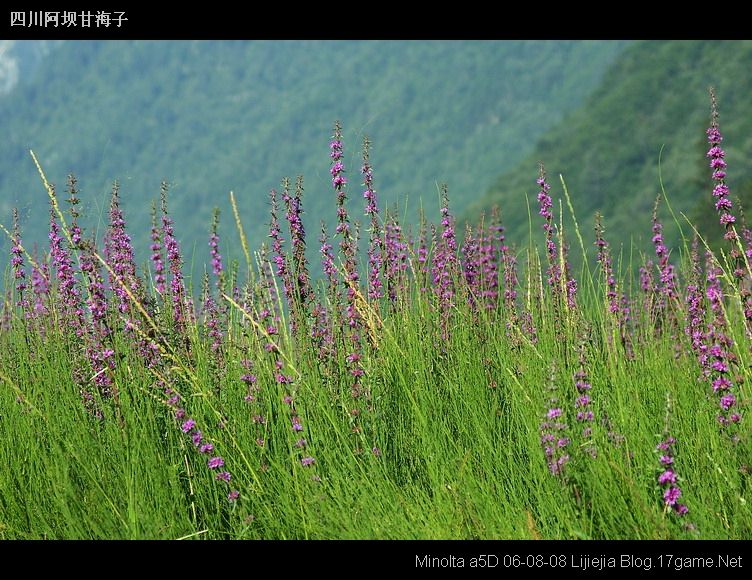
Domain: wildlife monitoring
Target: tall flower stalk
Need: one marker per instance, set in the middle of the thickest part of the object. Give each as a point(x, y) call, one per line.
point(546, 204)
point(396, 259)
point(554, 432)
point(727, 219)
point(17, 265)
point(375, 238)
point(353, 323)
point(720, 356)
point(175, 260)
point(303, 291)
point(445, 266)
point(157, 255)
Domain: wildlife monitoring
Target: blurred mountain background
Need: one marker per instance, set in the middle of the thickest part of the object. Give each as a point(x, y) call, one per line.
point(215, 116)
point(210, 117)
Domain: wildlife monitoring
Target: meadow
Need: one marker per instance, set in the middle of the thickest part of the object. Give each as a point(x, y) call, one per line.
point(433, 383)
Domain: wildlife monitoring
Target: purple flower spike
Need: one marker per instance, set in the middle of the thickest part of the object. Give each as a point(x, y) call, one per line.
point(681, 509)
point(188, 426)
point(717, 163)
point(667, 476)
point(671, 495)
point(553, 434)
point(215, 462)
point(307, 461)
point(666, 459)
point(554, 413)
point(223, 476)
point(668, 479)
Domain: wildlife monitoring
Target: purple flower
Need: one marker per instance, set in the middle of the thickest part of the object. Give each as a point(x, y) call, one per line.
point(554, 413)
point(188, 426)
point(667, 476)
point(671, 495)
point(720, 190)
point(727, 401)
point(215, 462)
point(666, 445)
point(721, 384)
point(554, 431)
point(667, 479)
point(222, 475)
point(304, 294)
point(375, 242)
point(233, 495)
point(307, 461)
point(177, 287)
point(666, 269)
point(719, 342)
point(206, 448)
point(216, 257)
point(546, 203)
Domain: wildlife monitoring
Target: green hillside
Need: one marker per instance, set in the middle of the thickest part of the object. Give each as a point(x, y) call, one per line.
point(654, 96)
point(211, 117)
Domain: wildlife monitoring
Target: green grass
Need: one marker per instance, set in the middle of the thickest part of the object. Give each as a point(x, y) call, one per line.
point(457, 423)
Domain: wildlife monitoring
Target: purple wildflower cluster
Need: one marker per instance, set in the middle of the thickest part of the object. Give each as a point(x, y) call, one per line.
point(216, 256)
point(396, 259)
point(348, 247)
point(98, 344)
point(119, 255)
point(553, 433)
point(375, 241)
point(618, 304)
point(423, 255)
point(668, 480)
point(304, 294)
point(189, 428)
point(68, 294)
point(278, 254)
point(471, 272)
point(510, 282)
point(604, 259)
point(157, 257)
point(666, 269)
point(445, 266)
point(17, 264)
point(724, 206)
point(546, 204)
point(718, 164)
point(175, 260)
point(583, 402)
point(695, 312)
point(212, 321)
point(40, 287)
point(491, 250)
point(719, 358)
